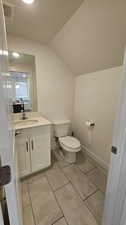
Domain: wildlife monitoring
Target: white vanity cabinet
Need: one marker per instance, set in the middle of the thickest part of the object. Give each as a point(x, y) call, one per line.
point(33, 147)
point(22, 148)
point(40, 148)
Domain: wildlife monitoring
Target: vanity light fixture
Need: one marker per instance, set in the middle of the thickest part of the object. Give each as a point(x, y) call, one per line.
point(3, 52)
point(17, 86)
point(15, 54)
point(28, 1)
point(24, 75)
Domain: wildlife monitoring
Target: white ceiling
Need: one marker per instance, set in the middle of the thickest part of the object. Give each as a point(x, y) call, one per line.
point(95, 37)
point(89, 35)
point(42, 20)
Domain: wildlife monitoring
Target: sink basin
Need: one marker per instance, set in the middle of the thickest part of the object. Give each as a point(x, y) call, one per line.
point(25, 122)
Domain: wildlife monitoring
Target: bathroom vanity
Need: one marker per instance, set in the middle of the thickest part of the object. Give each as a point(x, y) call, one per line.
point(32, 143)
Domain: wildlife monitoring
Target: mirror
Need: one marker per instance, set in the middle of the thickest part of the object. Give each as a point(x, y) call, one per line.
point(22, 71)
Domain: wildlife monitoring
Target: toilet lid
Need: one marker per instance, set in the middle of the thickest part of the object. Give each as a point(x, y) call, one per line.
point(70, 142)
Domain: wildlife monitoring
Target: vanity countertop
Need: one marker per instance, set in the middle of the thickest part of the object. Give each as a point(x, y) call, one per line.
point(30, 122)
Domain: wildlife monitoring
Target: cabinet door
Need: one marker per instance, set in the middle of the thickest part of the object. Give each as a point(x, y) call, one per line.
point(40, 149)
point(22, 147)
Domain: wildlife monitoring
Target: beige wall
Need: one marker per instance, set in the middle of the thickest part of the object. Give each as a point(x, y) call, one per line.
point(55, 82)
point(96, 99)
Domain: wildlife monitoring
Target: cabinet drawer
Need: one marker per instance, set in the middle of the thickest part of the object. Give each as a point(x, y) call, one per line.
point(35, 130)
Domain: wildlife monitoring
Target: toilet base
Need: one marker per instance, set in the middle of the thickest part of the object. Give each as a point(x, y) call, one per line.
point(69, 157)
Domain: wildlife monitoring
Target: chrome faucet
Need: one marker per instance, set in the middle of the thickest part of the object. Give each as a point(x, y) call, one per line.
point(24, 117)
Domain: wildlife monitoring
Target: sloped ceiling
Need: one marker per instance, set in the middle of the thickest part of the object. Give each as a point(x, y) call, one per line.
point(42, 20)
point(95, 37)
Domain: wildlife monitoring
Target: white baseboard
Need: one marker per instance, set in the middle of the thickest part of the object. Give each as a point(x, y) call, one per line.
point(100, 161)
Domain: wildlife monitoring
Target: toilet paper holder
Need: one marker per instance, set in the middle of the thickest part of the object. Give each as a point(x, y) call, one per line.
point(90, 123)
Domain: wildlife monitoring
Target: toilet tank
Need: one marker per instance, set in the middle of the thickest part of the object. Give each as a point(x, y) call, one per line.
point(61, 128)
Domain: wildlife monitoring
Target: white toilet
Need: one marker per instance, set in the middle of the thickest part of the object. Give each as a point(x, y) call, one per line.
point(70, 145)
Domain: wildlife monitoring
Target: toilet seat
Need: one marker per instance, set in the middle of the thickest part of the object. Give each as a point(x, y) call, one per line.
point(70, 144)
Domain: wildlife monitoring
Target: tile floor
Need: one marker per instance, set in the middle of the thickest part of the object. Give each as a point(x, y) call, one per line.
point(65, 194)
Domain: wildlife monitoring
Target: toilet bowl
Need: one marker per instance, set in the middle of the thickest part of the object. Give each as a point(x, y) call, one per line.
point(70, 145)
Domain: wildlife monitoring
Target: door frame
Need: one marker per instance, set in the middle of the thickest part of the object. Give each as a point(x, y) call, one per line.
point(7, 155)
point(115, 201)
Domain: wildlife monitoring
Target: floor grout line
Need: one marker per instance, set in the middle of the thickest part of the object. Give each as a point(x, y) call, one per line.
point(72, 185)
point(85, 173)
point(56, 161)
point(90, 195)
point(60, 160)
point(79, 197)
point(95, 183)
point(90, 208)
point(31, 205)
point(77, 190)
point(61, 186)
point(97, 186)
point(57, 220)
point(92, 214)
point(57, 201)
point(78, 194)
